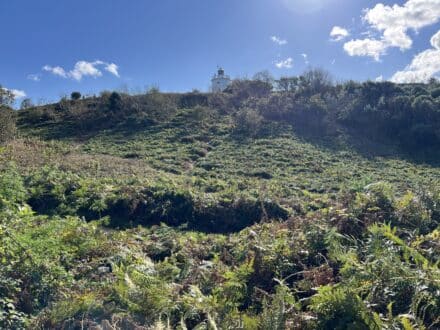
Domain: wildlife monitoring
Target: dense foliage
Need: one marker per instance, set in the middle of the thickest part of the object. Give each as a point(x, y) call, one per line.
point(224, 211)
point(7, 116)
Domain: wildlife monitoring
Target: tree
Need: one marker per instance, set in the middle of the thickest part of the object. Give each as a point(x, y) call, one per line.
point(115, 101)
point(287, 84)
point(75, 96)
point(6, 96)
point(26, 104)
point(316, 81)
point(264, 76)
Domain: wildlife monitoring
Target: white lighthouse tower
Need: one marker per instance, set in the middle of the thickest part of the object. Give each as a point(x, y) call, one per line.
point(220, 81)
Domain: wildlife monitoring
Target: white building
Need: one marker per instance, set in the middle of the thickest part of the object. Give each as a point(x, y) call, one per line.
point(220, 81)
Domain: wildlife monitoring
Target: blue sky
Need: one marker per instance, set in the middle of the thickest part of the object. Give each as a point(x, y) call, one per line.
point(177, 45)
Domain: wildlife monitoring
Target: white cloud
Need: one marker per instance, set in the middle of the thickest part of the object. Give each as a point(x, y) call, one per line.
point(366, 47)
point(379, 79)
point(306, 58)
point(278, 40)
point(18, 94)
point(113, 69)
point(285, 64)
point(435, 40)
point(338, 33)
point(34, 77)
point(83, 69)
point(424, 65)
point(57, 70)
point(394, 22)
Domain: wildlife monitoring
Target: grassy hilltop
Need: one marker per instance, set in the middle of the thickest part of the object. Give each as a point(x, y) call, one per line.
point(298, 204)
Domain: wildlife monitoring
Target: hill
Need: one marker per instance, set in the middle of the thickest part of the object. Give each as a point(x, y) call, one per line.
point(315, 206)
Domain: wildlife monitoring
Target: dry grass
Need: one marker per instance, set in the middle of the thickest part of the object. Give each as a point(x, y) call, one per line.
point(30, 154)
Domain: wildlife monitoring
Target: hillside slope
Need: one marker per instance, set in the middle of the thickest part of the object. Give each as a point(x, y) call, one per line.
point(203, 219)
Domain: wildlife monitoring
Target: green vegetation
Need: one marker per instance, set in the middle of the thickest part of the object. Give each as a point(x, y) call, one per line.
point(295, 204)
point(7, 116)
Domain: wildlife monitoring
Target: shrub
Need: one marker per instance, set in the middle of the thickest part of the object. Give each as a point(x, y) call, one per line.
point(7, 124)
point(200, 113)
point(12, 186)
point(248, 122)
point(435, 93)
point(115, 102)
point(413, 215)
point(241, 90)
point(75, 96)
point(220, 102)
point(26, 103)
point(191, 100)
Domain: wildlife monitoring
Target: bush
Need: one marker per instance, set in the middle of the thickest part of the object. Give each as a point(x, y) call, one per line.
point(248, 122)
point(12, 189)
point(7, 124)
point(191, 100)
point(200, 113)
point(75, 96)
point(241, 90)
point(435, 93)
point(115, 102)
point(26, 104)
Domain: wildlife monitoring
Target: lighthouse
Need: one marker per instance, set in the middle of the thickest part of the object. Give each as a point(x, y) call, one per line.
point(220, 81)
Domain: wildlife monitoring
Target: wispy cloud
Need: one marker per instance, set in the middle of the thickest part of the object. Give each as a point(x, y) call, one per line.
point(56, 70)
point(306, 58)
point(285, 64)
point(34, 77)
point(83, 69)
point(278, 40)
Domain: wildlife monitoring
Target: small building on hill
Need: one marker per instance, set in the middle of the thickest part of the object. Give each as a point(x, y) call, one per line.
point(220, 81)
